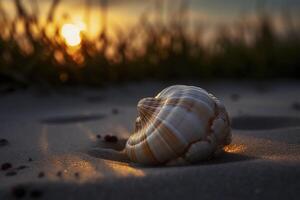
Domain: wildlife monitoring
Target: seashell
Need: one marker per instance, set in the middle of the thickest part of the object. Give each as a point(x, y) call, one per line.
point(180, 124)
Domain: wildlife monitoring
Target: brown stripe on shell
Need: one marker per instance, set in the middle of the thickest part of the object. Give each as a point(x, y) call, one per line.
point(189, 105)
point(169, 137)
point(133, 155)
point(148, 153)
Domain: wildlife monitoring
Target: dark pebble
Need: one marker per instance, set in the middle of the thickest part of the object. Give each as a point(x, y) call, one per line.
point(22, 167)
point(18, 191)
point(98, 136)
point(8, 90)
point(59, 174)
point(235, 97)
point(6, 166)
point(41, 174)
point(3, 142)
point(12, 173)
point(76, 174)
point(11, 89)
point(111, 138)
point(115, 111)
point(296, 106)
point(36, 193)
point(30, 159)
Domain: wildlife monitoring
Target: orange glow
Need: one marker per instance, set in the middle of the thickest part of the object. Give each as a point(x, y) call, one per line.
point(71, 34)
point(235, 148)
point(69, 164)
point(124, 170)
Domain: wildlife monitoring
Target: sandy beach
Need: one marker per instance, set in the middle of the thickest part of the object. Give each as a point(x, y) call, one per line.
point(47, 137)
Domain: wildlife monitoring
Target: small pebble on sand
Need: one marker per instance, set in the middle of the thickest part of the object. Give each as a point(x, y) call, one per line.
point(8, 90)
point(3, 142)
point(296, 106)
point(111, 138)
point(22, 167)
point(41, 174)
point(30, 159)
point(115, 111)
point(12, 173)
point(59, 174)
point(6, 166)
point(98, 136)
point(76, 174)
point(18, 191)
point(36, 193)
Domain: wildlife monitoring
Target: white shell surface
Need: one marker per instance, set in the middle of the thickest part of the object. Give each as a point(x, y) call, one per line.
point(180, 123)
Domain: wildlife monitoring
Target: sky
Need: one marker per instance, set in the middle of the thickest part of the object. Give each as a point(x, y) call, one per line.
point(126, 12)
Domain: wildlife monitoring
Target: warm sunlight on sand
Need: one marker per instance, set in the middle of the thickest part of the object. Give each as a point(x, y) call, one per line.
point(235, 148)
point(71, 34)
point(123, 170)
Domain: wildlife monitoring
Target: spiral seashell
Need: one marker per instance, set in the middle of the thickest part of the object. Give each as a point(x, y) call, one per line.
point(181, 124)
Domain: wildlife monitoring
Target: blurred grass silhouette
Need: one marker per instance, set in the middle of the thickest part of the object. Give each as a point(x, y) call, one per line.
point(148, 50)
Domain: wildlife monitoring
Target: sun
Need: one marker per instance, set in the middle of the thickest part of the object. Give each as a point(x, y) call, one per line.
point(71, 34)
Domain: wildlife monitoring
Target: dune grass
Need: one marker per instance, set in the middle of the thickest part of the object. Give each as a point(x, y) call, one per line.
point(148, 50)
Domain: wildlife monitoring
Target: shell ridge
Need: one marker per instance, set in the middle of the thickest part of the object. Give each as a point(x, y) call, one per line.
point(200, 110)
point(149, 153)
point(160, 148)
point(183, 91)
point(188, 100)
point(173, 130)
point(181, 88)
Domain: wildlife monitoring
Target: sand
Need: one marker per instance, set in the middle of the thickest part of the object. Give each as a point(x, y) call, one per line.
point(48, 137)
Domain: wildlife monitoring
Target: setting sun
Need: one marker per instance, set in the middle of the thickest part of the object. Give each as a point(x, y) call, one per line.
point(71, 34)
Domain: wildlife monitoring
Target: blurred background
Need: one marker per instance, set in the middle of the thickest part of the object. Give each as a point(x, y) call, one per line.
point(54, 43)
